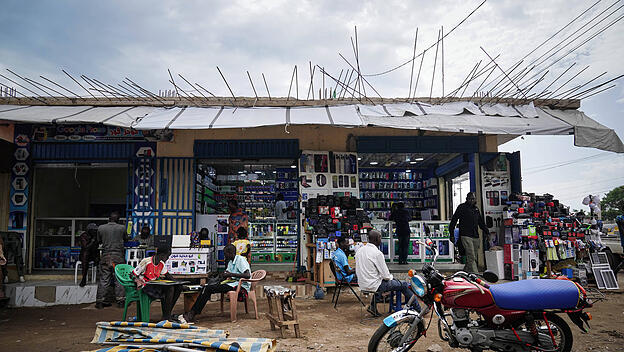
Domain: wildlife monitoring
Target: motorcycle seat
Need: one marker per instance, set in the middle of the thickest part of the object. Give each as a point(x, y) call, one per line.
point(536, 294)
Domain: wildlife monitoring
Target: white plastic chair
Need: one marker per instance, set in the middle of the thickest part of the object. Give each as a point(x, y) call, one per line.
point(93, 271)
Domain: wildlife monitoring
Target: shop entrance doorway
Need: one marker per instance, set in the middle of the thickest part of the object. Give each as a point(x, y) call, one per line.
point(66, 199)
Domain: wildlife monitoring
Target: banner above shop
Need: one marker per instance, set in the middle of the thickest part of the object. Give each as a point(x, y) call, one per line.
point(85, 133)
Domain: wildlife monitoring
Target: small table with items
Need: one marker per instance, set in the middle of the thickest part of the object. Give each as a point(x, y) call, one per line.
point(282, 309)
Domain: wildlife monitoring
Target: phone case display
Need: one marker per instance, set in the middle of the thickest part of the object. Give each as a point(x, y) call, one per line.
point(205, 190)
point(496, 186)
point(380, 188)
point(326, 173)
point(286, 183)
point(438, 233)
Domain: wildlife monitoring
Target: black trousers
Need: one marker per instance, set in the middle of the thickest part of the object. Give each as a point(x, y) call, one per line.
point(206, 292)
point(168, 296)
point(403, 247)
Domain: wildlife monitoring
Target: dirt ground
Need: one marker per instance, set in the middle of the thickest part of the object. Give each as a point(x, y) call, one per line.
point(71, 328)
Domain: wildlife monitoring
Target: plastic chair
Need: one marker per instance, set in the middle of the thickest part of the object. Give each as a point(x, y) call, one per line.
point(123, 275)
point(93, 271)
point(256, 276)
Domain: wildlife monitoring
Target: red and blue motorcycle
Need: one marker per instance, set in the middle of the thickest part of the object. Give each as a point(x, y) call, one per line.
point(515, 316)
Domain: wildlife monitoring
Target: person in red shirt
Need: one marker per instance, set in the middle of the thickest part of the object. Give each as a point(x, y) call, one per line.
point(236, 220)
point(152, 268)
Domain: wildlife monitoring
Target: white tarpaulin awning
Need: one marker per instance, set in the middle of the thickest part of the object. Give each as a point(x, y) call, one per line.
point(122, 116)
point(503, 120)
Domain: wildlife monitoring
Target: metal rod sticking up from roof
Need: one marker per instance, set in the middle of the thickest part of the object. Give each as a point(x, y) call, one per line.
point(442, 44)
point(266, 86)
point(568, 92)
point(194, 88)
point(514, 83)
point(291, 82)
point(39, 97)
point(173, 82)
point(409, 94)
point(60, 86)
point(32, 84)
point(12, 89)
point(435, 61)
point(568, 81)
point(78, 83)
point(252, 85)
point(226, 83)
point(311, 87)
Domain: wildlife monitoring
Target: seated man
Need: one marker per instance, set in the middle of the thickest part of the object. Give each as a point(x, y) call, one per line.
point(341, 261)
point(242, 244)
point(237, 268)
point(152, 268)
point(373, 274)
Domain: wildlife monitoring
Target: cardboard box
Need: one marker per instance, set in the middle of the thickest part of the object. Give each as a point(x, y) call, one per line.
point(494, 261)
point(328, 276)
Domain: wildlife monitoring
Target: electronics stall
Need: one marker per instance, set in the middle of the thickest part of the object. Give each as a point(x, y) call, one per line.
point(254, 184)
point(541, 237)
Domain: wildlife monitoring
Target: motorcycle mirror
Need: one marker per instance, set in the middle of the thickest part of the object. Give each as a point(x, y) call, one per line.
point(490, 276)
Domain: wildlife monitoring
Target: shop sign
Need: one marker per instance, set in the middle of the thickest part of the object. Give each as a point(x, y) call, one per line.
point(145, 152)
point(84, 133)
point(20, 169)
point(21, 154)
point(19, 183)
point(18, 199)
point(22, 140)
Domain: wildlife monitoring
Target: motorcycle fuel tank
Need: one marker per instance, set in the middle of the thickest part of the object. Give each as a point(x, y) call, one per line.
point(459, 293)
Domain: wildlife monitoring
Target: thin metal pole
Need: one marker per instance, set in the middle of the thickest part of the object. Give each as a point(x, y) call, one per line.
point(361, 77)
point(252, 85)
point(413, 62)
point(78, 83)
point(514, 83)
point(311, 87)
point(195, 89)
point(22, 94)
point(435, 61)
point(226, 83)
point(173, 83)
point(266, 86)
point(568, 81)
point(422, 58)
point(442, 44)
point(292, 77)
point(565, 94)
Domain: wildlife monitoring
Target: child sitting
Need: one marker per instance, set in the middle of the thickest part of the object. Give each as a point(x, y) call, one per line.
point(152, 268)
point(242, 244)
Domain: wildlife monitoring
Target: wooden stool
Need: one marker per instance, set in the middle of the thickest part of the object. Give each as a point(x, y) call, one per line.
point(280, 298)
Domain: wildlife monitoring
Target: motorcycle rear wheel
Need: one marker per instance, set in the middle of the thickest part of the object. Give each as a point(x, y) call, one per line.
point(385, 338)
point(560, 329)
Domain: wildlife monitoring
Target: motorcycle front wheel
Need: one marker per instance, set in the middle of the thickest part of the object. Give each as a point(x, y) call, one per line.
point(387, 339)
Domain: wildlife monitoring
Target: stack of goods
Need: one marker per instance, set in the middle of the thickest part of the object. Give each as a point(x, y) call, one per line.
point(540, 229)
point(330, 217)
point(382, 187)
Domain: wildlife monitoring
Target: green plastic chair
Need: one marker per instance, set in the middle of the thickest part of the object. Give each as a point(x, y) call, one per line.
point(123, 273)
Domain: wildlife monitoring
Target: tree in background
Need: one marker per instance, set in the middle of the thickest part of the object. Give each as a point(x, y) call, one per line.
point(613, 203)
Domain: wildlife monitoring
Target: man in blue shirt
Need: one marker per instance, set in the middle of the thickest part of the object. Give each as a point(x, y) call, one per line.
point(341, 261)
point(237, 268)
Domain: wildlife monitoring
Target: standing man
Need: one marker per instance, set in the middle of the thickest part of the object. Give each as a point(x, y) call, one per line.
point(281, 210)
point(470, 220)
point(236, 219)
point(88, 250)
point(112, 236)
point(373, 274)
point(401, 218)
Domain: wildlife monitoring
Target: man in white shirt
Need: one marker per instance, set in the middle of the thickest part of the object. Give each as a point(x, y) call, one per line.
point(281, 210)
point(373, 274)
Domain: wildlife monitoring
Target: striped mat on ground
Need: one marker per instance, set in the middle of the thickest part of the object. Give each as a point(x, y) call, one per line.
point(137, 336)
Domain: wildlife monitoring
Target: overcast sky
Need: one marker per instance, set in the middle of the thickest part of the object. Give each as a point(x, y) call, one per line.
point(110, 40)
